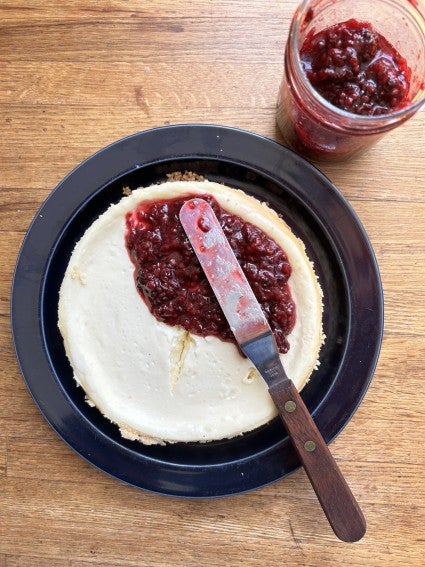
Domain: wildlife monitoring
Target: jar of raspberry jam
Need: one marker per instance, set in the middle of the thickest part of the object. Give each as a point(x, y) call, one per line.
point(353, 71)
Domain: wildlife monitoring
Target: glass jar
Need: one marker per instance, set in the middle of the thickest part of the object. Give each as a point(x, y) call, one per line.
point(313, 126)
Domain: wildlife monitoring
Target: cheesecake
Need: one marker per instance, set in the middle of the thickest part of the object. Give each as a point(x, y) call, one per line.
point(142, 330)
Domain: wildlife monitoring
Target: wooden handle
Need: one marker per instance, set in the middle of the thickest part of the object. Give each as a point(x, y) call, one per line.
point(333, 492)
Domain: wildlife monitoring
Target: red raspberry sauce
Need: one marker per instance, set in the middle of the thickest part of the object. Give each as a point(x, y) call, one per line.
point(356, 69)
point(171, 281)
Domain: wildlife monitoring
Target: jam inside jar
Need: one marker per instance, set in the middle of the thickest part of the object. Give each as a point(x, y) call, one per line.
point(353, 71)
point(355, 68)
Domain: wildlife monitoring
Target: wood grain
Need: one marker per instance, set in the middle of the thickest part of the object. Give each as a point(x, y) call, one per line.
point(77, 75)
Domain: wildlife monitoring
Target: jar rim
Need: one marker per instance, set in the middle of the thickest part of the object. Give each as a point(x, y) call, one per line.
point(360, 121)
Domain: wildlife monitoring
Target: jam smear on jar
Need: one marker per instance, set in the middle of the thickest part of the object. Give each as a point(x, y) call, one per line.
point(171, 281)
point(356, 69)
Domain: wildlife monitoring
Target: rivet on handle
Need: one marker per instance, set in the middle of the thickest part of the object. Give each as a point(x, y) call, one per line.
point(290, 406)
point(309, 446)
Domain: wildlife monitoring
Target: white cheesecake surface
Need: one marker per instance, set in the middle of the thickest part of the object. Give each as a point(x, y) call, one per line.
point(159, 383)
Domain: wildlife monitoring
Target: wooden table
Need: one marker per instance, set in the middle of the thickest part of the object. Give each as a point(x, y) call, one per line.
point(76, 75)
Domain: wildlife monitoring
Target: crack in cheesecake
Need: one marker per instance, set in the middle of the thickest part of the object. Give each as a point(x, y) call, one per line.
point(251, 376)
point(179, 351)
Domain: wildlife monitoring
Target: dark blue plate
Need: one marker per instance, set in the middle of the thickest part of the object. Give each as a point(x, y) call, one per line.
point(318, 213)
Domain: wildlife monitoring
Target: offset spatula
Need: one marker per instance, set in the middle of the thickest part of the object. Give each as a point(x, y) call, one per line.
point(256, 340)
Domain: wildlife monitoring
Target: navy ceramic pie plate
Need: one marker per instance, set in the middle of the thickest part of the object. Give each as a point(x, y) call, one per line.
point(335, 240)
